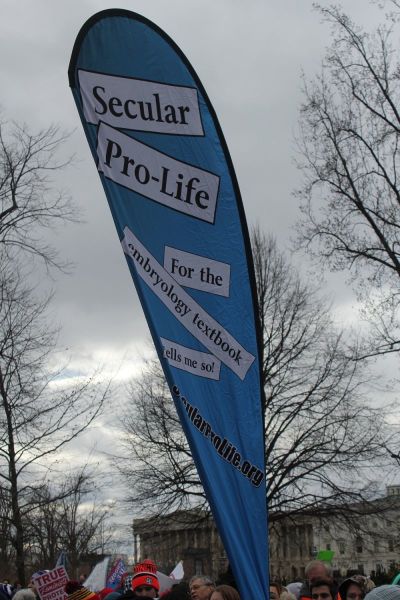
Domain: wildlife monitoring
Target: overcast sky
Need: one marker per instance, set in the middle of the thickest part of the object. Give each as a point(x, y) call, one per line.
point(249, 56)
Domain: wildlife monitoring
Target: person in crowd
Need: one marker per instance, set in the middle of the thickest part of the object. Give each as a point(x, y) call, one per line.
point(31, 584)
point(114, 595)
point(384, 592)
point(286, 595)
point(353, 588)
point(315, 570)
point(125, 591)
point(25, 594)
point(6, 590)
point(294, 588)
point(275, 590)
point(145, 583)
point(126, 583)
point(201, 587)
point(322, 589)
point(124, 595)
point(76, 591)
point(369, 585)
point(225, 592)
point(179, 591)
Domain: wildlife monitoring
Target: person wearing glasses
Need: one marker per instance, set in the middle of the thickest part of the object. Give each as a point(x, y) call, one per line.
point(201, 587)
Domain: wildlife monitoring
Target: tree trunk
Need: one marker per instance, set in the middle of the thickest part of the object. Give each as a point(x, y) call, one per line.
point(18, 540)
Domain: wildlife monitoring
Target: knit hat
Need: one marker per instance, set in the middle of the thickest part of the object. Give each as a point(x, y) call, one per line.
point(384, 592)
point(294, 588)
point(145, 573)
point(76, 591)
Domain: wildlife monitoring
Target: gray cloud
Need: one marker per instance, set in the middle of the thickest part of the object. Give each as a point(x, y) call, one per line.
point(249, 56)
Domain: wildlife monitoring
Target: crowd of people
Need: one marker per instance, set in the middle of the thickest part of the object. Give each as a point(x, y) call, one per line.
point(318, 584)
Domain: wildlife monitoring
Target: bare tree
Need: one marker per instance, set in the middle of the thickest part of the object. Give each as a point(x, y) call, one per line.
point(38, 415)
point(67, 517)
point(29, 206)
point(319, 429)
point(156, 462)
point(349, 156)
point(322, 437)
point(7, 553)
point(83, 528)
point(42, 527)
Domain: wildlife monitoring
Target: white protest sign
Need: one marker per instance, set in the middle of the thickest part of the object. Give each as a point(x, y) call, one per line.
point(51, 585)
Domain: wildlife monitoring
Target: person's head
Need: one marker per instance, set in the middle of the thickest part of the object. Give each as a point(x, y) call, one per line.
point(225, 592)
point(146, 591)
point(384, 592)
point(354, 592)
point(317, 569)
point(294, 588)
point(145, 582)
point(321, 589)
point(24, 594)
point(201, 587)
point(76, 591)
point(275, 590)
point(353, 588)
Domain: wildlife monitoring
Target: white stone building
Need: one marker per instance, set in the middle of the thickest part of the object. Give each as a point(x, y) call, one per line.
point(370, 544)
